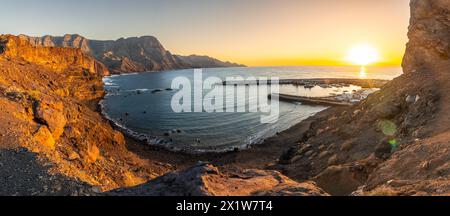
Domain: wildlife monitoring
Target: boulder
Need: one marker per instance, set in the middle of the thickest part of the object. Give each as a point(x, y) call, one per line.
point(51, 113)
point(386, 110)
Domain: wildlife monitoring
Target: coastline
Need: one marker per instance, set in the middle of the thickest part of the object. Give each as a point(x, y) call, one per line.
point(70, 129)
point(161, 143)
point(263, 154)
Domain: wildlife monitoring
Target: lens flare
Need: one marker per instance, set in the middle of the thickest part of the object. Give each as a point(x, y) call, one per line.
point(394, 144)
point(388, 128)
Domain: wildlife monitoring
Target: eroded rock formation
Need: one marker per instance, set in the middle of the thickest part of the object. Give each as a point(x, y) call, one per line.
point(429, 38)
point(55, 58)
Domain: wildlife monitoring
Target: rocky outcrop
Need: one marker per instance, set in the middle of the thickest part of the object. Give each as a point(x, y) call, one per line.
point(51, 114)
point(207, 180)
point(429, 39)
point(397, 141)
point(135, 54)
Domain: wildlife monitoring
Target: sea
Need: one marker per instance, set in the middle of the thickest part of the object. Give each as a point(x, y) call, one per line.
point(141, 105)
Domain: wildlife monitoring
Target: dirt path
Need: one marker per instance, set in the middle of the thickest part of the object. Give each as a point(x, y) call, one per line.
point(22, 174)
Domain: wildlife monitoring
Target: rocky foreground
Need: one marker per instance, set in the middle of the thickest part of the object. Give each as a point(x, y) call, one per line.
point(208, 180)
point(53, 141)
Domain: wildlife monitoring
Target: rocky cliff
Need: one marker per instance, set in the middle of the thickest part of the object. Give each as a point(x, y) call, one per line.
point(135, 54)
point(48, 102)
point(397, 142)
point(429, 37)
point(55, 58)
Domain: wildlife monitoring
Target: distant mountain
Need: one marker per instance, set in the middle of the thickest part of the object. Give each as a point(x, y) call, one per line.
point(197, 61)
point(135, 54)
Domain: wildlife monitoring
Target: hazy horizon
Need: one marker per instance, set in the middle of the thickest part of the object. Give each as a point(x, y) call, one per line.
point(254, 33)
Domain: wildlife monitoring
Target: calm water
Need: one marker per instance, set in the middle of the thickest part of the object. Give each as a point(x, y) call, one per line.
point(149, 116)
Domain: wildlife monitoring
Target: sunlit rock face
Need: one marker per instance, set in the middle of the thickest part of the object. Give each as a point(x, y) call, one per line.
point(429, 38)
point(56, 58)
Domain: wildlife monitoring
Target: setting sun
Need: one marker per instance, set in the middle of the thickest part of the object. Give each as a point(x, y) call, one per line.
point(363, 55)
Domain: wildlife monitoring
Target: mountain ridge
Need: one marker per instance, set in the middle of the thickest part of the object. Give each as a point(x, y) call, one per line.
point(132, 54)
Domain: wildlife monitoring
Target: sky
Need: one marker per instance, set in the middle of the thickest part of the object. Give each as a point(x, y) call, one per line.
point(251, 32)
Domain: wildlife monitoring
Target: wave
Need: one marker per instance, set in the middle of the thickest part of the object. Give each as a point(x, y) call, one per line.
point(128, 74)
point(108, 81)
point(111, 76)
point(136, 90)
point(110, 84)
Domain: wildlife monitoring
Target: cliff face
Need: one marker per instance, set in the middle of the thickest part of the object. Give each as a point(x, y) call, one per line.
point(429, 38)
point(396, 142)
point(136, 54)
point(48, 100)
point(54, 58)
